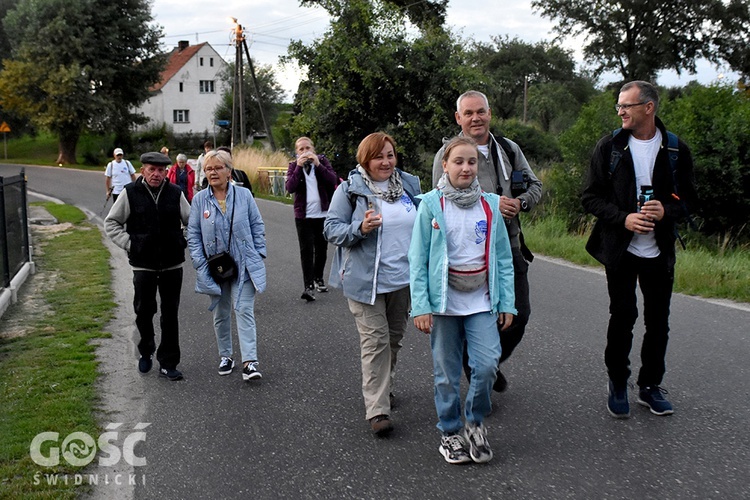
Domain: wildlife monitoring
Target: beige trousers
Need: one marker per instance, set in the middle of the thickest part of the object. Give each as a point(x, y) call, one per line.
point(381, 327)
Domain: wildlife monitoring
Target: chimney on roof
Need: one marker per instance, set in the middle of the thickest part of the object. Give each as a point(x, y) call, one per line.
point(182, 45)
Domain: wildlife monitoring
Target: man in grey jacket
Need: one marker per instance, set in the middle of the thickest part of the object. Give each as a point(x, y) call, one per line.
point(502, 169)
point(146, 221)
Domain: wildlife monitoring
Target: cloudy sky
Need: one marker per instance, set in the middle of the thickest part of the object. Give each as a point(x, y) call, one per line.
point(270, 25)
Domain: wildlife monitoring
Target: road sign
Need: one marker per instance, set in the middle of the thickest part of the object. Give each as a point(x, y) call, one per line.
point(4, 127)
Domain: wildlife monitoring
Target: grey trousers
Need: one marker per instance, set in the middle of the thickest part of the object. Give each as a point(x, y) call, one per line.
point(381, 328)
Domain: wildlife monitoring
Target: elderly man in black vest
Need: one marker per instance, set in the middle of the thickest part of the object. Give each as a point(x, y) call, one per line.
point(146, 221)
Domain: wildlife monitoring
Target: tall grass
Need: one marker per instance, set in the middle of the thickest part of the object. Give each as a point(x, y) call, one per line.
point(698, 271)
point(256, 163)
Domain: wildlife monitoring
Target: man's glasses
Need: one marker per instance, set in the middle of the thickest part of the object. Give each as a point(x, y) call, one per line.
point(618, 107)
point(213, 169)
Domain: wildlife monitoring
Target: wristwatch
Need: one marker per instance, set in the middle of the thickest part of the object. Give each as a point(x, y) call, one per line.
point(524, 206)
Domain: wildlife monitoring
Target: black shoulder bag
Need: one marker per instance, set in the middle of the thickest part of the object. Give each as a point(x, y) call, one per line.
point(222, 266)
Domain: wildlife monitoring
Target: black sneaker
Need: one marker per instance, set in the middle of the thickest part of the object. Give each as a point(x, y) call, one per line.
point(320, 286)
point(308, 294)
point(251, 371)
point(454, 449)
point(479, 447)
point(145, 364)
point(653, 397)
point(170, 373)
point(617, 402)
point(226, 365)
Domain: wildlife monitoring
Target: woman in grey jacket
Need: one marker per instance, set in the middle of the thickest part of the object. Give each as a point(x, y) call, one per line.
point(214, 212)
point(370, 219)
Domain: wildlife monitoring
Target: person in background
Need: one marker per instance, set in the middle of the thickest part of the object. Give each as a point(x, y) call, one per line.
point(225, 218)
point(461, 288)
point(200, 176)
point(183, 176)
point(146, 221)
point(635, 240)
point(312, 180)
point(502, 169)
point(118, 173)
point(370, 219)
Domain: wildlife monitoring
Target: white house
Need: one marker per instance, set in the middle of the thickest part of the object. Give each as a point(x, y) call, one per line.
point(189, 90)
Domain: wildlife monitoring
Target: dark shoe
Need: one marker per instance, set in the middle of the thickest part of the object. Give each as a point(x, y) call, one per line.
point(617, 402)
point(381, 425)
point(653, 397)
point(501, 383)
point(171, 373)
point(145, 364)
point(226, 366)
point(454, 449)
point(308, 294)
point(250, 371)
point(479, 447)
point(320, 286)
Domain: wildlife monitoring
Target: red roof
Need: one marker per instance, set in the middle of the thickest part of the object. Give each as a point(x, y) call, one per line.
point(177, 59)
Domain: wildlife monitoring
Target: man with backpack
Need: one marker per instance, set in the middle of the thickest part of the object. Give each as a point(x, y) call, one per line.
point(640, 183)
point(502, 169)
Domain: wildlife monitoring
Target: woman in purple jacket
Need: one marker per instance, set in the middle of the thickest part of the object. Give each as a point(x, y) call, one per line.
point(312, 180)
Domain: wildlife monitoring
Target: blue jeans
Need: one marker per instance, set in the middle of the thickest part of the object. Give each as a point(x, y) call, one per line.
point(479, 331)
point(245, 316)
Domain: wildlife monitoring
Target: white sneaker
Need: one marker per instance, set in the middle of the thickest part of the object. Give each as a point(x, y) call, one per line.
point(479, 447)
point(454, 449)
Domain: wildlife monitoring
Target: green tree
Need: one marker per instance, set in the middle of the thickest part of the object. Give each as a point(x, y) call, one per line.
point(543, 73)
point(271, 96)
point(637, 38)
point(367, 74)
point(715, 123)
point(71, 70)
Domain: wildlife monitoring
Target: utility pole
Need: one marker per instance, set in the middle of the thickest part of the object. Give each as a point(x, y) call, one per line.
point(525, 96)
point(238, 100)
point(238, 106)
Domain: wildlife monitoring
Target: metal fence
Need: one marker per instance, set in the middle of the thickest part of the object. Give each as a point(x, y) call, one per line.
point(14, 229)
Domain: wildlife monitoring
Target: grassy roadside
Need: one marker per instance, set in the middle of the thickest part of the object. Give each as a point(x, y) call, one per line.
point(47, 374)
point(698, 271)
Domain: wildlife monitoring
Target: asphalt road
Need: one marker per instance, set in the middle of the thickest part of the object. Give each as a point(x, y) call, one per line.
point(300, 431)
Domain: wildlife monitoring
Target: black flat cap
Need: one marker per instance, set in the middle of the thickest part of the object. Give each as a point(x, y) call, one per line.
point(155, 158)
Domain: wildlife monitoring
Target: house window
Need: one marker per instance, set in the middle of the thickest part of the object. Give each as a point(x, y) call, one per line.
point(201, 61)
point(207, 87)
point(180, 86)
point(211, 62)
point(181, 115)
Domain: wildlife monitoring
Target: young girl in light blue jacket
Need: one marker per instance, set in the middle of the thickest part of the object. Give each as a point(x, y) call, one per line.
point(461, 278)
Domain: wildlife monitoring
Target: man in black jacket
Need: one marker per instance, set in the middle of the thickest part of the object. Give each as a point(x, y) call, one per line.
point(634, 238)
point(146, 221)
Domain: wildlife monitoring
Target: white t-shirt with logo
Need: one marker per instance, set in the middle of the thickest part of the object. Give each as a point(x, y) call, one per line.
point(395, 237)
point(466, 237)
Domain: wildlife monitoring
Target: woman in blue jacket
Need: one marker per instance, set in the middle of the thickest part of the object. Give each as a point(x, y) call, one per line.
point(462, 286)
point(370, 219)
point(224, 218)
